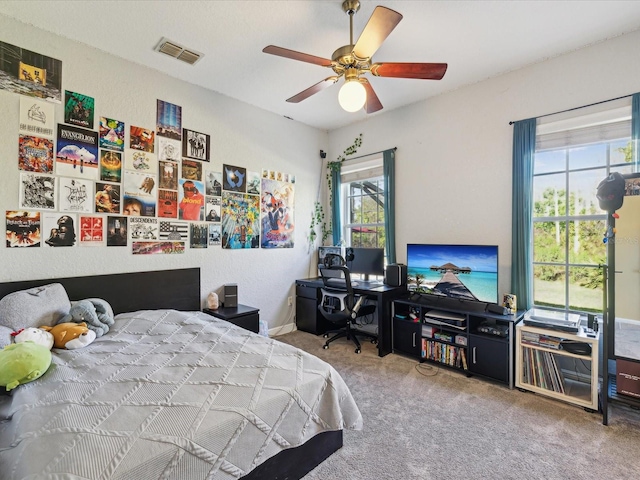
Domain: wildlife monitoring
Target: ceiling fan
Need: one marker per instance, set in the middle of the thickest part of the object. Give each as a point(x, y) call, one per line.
point(354, 60)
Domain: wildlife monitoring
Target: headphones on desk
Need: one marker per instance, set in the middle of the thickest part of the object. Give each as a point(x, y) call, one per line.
point(333, 260)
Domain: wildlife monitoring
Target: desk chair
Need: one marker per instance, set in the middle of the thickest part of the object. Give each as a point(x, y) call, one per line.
point(341, 306)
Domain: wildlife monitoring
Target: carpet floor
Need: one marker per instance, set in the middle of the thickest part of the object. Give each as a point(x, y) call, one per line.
point(423, 422)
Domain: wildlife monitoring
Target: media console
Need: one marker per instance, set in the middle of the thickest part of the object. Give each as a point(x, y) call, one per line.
point(461, 335)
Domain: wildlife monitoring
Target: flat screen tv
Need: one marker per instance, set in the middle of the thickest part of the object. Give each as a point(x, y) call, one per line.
point(460, 271)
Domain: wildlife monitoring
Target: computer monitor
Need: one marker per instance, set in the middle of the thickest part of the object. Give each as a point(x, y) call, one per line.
point(365, 261)
point(324, 250)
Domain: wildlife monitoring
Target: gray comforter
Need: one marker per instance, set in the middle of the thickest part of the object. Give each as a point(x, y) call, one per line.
point(171, 395)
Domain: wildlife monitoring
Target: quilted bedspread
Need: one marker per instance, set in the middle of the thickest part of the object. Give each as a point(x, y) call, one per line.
point(169, 395)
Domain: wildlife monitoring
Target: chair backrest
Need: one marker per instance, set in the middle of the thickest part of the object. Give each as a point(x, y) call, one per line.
point(338, 299)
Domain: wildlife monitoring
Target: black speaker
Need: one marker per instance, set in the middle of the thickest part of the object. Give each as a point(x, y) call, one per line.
point(395, 275)
point(230, 295)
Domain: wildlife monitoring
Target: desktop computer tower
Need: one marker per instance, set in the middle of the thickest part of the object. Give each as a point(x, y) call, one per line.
point(395, 275)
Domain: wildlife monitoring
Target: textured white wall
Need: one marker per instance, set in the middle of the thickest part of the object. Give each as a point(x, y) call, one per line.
point(453, 163)
point(240, 135)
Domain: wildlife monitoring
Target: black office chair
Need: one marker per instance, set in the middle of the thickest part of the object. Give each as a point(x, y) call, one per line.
point(340, 305)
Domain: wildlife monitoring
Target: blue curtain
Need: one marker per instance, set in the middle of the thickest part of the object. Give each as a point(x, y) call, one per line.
point(524, 145)
point(336, 221)
point(388, 165)
point(635, 130)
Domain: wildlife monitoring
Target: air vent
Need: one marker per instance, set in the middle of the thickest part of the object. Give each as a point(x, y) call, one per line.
point(175, 50)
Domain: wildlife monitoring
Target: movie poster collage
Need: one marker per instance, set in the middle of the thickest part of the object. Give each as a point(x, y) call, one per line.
point(83, 184)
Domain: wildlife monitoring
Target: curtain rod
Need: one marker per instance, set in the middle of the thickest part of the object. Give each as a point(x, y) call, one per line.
point(374, 153)
point(576, 108)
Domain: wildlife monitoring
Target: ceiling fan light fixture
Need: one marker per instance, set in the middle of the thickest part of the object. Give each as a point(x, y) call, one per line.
point(352, 96)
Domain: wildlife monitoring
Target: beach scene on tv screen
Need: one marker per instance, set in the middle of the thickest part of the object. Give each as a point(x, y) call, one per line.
point(461, 271)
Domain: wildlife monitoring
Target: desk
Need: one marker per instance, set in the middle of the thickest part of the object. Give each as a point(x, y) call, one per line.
point(309, 319)
point(242, 315)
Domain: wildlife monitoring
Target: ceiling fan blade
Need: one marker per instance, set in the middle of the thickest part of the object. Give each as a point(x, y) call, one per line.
point(327, 82)
point(380, 25)
point(292, 54)
point(425, 71)
point(373, 102)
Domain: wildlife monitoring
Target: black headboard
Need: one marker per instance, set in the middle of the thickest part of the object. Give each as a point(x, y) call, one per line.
point(127, 292)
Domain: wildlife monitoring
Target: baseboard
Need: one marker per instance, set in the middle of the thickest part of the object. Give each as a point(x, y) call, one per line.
point(282, 329)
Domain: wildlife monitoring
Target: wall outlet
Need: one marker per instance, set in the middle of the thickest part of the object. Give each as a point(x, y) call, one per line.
point(290, 301)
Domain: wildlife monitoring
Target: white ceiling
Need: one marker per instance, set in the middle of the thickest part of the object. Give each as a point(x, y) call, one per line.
point(478, 39)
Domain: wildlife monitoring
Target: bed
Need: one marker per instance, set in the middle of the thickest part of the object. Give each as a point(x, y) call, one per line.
point(171, 393)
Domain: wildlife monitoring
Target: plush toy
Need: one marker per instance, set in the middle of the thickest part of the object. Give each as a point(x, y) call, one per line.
point(71, 335)
point(212, 301)
point(22, 362)
point(96, 313)
point(35, 335)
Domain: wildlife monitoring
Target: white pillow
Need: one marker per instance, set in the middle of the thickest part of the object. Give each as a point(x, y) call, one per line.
point(33, 308)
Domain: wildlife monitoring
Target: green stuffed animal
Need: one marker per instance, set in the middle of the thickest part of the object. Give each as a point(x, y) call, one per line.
point(22, 362)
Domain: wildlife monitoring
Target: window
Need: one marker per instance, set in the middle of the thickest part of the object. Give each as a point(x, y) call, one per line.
point(573, 155)
point(362, 198)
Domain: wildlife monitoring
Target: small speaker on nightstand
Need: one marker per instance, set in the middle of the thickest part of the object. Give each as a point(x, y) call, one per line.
point(230, 295)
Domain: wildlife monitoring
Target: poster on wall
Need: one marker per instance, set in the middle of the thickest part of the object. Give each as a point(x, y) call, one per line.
point(78, 109)
point(191, 206)
point(37, 191)
point(167, 204)
point(240, 220)
point(36, 117)
point(116, 231)
point(168, 149)
point(195, 145)
point(30, 73)
point(59, 230)
point(77, 152)
point(192, 170)
point(110, 166)
point(91, 231)
point(141, 139)
point(213, 209)
point(253, 183)
point(107, 198)
point(276, 214)
point(143, 228)
point(168, 174)
point(198, 235)
point(178, 231)
point(76, 195)
point(139, 194)
point(140, 161)
point(157, 248)
point(234, 178)
point(215, 234)
point(213, 183)
point(111, 134)
point(23, 229)
point(35, 154)
point(169, 120)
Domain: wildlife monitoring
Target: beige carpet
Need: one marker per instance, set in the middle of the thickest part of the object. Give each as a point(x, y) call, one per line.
point(424, 424)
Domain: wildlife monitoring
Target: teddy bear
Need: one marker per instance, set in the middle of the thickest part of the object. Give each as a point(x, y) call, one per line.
point(96, 313)
point(35, 335)
point(70, 335)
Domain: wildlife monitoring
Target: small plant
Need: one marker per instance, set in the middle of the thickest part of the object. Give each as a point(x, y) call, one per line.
point(317, 216)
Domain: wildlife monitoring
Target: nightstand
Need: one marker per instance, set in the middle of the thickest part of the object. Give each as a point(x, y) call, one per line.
point(242, 316)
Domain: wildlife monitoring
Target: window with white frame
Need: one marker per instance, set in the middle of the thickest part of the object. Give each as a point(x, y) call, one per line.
point(362, 200)
point(573, 155)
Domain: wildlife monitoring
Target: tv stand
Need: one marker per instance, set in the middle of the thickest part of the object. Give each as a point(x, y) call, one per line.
point(461, 336)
